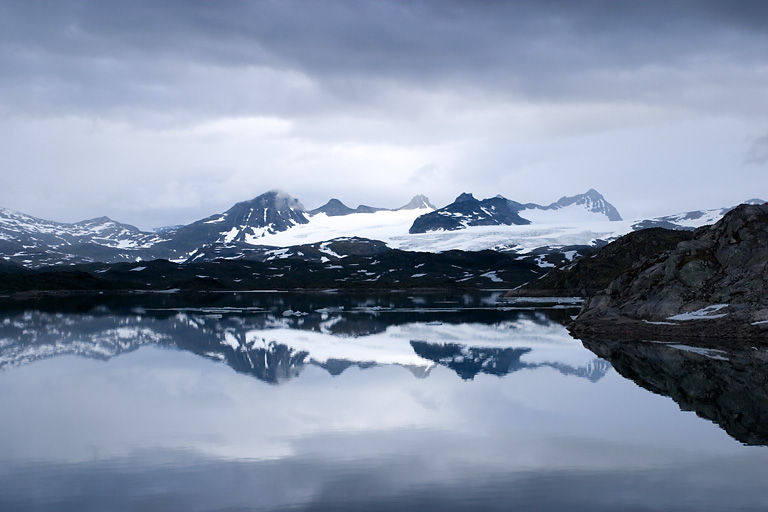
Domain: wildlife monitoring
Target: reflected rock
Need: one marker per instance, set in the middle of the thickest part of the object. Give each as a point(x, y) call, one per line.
point(728, 387)
point(273, 364)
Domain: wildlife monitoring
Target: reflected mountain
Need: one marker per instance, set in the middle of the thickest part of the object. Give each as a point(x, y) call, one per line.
point(724, 385)
point(275, 338)
point(469, 361)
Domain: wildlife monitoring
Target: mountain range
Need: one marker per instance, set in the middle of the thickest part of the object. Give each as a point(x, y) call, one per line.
point(276, 225)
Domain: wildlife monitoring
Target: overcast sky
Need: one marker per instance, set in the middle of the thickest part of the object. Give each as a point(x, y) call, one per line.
point(163, 112)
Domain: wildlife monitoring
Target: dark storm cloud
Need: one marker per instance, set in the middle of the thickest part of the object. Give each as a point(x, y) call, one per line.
point(200, 58)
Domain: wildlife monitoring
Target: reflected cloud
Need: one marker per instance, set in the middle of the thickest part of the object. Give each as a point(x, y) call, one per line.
point(512, 408)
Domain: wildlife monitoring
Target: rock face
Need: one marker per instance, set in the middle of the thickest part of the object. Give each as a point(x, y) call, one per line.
point(716, 283)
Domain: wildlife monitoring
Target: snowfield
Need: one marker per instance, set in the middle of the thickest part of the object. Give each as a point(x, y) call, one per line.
point(382, 225)
point(391, 227)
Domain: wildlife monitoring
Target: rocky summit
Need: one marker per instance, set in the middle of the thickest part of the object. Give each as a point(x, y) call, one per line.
point(713, 285)
point(467, 211)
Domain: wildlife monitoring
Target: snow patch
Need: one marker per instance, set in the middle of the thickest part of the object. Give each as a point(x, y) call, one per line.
point(707, 313)
point(492, 276)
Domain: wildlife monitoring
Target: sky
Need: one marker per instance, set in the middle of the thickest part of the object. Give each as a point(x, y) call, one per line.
point(161, 113)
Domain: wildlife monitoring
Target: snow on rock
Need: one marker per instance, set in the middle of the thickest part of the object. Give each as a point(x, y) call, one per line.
point(707, 313)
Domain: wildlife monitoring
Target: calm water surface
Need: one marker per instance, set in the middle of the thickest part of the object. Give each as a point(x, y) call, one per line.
point(343, 402)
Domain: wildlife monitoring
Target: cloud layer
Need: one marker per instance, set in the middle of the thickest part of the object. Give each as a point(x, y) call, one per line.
point(162, 112)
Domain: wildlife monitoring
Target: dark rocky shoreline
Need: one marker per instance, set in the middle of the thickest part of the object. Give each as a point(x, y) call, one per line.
point(711, 285)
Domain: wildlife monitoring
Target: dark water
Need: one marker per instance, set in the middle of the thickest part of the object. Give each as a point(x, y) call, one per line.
point(343, 402)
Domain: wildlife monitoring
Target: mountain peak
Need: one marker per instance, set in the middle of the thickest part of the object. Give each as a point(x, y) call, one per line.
point(592, 201)
point(418, 201)
point(593, 193)
point(467, 211)
point(275, 198)
point(333, 208)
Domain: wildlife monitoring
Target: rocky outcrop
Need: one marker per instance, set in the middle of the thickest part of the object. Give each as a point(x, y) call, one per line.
point(714, 284)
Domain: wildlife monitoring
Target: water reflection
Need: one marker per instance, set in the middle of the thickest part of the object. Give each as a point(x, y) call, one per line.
point(383, 403)
point(727, 385)
point(274, 338)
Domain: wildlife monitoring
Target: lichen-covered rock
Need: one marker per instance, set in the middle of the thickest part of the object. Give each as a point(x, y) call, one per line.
point(716, 282)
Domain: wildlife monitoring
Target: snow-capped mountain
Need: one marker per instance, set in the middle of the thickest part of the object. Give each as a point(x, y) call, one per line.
point(247, 221)
point(275, 220)
point(34, 242)
point(689, 220)
point(466, 211)
point(30, 232)
point(587, 207)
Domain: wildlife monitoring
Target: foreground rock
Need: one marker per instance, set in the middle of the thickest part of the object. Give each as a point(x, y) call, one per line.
point(713, 285)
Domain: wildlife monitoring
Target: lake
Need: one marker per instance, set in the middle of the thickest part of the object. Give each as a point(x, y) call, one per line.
point(330, 401)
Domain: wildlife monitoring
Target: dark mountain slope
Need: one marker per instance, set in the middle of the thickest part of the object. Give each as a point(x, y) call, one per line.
point(591, 274)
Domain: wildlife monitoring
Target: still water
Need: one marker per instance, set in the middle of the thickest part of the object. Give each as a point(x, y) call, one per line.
point(344, 402)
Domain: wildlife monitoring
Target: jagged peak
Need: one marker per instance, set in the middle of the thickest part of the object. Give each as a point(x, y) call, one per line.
point(418, 201)
point(593, 201)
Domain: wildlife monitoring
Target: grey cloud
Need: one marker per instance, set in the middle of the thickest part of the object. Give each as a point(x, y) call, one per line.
point(200, 57)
